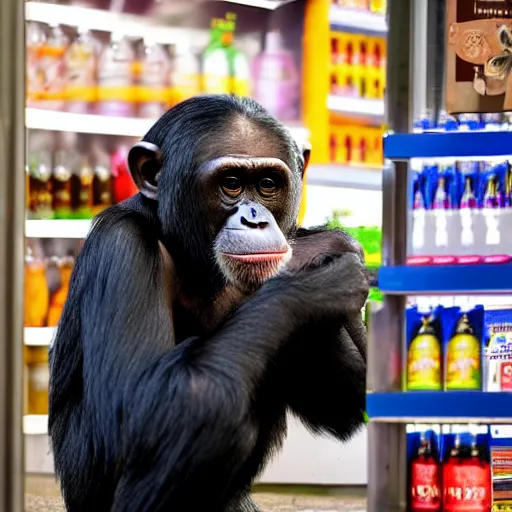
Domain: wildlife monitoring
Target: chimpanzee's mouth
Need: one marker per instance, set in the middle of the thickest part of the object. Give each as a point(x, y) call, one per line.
point(257, 257)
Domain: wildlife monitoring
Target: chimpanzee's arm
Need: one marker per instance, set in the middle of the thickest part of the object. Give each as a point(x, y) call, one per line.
point(326, 365)
point(138, 424)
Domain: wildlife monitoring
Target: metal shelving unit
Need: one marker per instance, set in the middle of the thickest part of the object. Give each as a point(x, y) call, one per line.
point(389, 408)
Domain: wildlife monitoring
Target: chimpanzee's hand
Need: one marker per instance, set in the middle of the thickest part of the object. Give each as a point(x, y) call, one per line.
point(334, 286)
point(320, 247)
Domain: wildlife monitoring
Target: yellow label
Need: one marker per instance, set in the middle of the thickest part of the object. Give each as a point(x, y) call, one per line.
point(127, 94)
point(463, 368)
point(424, 363)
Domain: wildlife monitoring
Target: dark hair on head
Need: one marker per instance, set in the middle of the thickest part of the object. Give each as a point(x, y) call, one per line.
point(181, 133)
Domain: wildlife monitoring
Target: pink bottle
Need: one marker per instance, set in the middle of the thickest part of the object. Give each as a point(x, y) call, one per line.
point(276, 79)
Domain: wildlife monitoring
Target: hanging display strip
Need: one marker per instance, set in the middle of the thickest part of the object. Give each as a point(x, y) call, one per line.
point(405, 146)
point(439, 407)
point(446, 279)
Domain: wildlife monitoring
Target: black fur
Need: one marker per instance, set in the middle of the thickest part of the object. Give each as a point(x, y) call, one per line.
point(172, 398)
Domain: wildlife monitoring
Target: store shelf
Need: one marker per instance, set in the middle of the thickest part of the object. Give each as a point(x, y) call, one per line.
point(35, 424)
point(359, 107)
point(440, 407)
point(38, 336)
point(57, 228)
point(446, 280)
point(360, 21)
point(451, 144)
point(342, 176)
point(270, 5)
point(106, 21)
point(38, 119)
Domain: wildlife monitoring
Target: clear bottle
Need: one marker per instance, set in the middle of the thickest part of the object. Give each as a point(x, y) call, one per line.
point(154, 80)
point(80, 74)
point(116, 78)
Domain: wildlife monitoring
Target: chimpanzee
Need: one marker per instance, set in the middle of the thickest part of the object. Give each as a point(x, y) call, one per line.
point(197, 315)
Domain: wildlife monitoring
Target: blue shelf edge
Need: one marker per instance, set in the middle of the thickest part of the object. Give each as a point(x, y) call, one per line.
point(403, 146)
point(439, 405)
point(448, 279)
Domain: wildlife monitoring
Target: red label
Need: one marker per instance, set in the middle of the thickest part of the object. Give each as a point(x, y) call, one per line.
point(506, 376)
point(419, 260)
point(497, 258)
point(469, 260)
point(425, 490)
point(444, 260)
point(467, 487)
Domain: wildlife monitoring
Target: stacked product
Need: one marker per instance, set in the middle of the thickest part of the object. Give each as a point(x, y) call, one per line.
point(81, 72)
point(458, 347)
point(64, 183)
point(358, 65)
point(356, 145)
point(461, 206)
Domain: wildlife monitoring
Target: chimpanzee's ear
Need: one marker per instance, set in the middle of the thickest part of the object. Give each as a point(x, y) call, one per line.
point(145, 163)
point(306, 153)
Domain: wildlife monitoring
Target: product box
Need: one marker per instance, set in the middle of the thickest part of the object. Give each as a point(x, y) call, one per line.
point(501, 467)
point(479, 44)
point(498, 350)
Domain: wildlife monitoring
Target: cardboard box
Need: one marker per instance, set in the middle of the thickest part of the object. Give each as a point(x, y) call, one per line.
point(479, 56)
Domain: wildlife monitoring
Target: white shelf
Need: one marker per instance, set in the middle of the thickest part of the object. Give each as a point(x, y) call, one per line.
point(38, 336)
point(343, 176)
point(39, 119)
point(35, 424)
point(270, 5)
point(354, 20)
point(356, 107)
point(57, 228)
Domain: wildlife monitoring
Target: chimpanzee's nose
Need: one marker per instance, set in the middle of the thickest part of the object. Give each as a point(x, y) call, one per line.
point(250, 216)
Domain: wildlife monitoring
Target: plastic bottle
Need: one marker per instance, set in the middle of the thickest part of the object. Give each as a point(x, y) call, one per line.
point(123, 186)
point(276, 81)
point(102, 182)
point(216, 61)
point(185, 75)
point(65, 266)
point(154, 80)
point(36, 289)
point(116, 78)
point(51, 70)
point(80, 74)
point(35, 40)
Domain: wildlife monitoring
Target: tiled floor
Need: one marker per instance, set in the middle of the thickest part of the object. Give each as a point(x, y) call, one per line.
point(43, 496)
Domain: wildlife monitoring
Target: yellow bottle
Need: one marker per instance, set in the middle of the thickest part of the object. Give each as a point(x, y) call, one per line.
point(424, 359)
point(463, 362)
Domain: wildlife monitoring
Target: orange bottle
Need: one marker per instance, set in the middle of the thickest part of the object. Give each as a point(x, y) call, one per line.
point(38, 380)
point(59, 297)
point(36, 291)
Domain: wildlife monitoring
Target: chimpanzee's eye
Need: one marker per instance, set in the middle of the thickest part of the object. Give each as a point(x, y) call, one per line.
point(232, 185)
point(267, 186)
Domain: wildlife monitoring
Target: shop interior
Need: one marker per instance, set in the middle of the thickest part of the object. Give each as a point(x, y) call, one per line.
point(421, 178)
point(319, 67)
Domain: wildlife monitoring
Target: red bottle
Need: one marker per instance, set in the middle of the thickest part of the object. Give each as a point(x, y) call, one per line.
point(425, 478)
point(466, 480)
point(123, 186)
